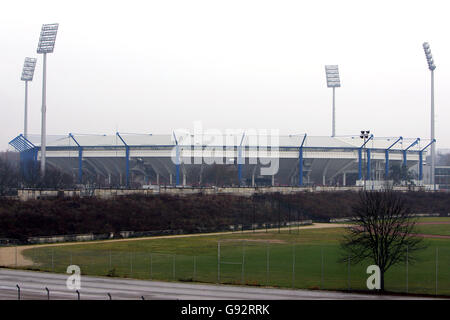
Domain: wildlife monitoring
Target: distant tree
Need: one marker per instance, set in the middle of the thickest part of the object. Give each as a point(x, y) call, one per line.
point(9, 176)
point(220, 174)
point(400, 173)
point(382, 231)
point(54, 178)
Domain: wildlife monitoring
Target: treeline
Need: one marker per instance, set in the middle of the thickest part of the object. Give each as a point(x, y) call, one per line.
point(195, 213)
point(12, 176)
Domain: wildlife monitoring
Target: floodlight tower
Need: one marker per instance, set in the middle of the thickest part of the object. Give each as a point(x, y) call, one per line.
point(333, 81)
point(46, 45)
point(431, 66)
point(27, 75)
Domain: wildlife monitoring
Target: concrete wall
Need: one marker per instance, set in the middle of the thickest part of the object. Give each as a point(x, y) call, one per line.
point(27, 194)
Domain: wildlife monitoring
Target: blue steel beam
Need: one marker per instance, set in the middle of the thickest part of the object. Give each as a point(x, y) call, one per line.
point(386, 169)
point(300, 162)
point(359, 164)
point(421, 159)
point(240, 160)
point(368, 165)
point(80, 159)
point(177, 161)
point(410, 146)
point(127, 159)
point(360, 157)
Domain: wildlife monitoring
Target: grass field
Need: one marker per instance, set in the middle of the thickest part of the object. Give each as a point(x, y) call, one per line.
point(301, 259)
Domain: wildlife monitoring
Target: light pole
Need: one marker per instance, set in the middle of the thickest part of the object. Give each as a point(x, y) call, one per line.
point(364, 135)
point(333, 81)
point(46, 45)
point(431, 66)
point(27, 75)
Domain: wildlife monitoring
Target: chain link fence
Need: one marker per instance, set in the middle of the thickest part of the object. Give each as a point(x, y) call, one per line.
point(271, 263)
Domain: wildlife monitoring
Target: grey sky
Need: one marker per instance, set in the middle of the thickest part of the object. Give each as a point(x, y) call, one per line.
point(154, 66)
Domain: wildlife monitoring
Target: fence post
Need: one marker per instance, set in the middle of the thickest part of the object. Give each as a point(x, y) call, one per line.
point(48, 293)
point(18, 292)
point(78, 294)
point(407, 269)
point(243, 262)
point(348, 276)
point(53, 266)
point(437, 263)
point(131, 264)
point(218, 261)
point(173, 271)
point(321, 273)
point(151, 266)
point(293, 265)
point(110, 260)
point(267, 262)
point(195, 268)
point(109, 295)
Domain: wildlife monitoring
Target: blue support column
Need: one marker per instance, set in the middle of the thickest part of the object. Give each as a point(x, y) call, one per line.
point(80, 165)
point(404, 151)
point(300, 167)
point(420, 166)
point(386, 167)
point(386, 170)
point(359, 164)
point(127, 160)
point(368, 165)
point(127, 165)
point(177, 165)
point(240, 162)
point(404, 158)
point(80, 159)
point(421, 159)
point(35, 158)
point(300, 162)
point(240, 165)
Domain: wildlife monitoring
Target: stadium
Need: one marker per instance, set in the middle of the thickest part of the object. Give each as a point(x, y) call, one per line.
point(141, 160)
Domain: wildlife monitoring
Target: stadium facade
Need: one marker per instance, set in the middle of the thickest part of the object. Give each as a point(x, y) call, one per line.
point(187, 160)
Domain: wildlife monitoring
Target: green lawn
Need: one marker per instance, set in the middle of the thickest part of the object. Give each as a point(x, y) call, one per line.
point(441, 230)
point(307, 259)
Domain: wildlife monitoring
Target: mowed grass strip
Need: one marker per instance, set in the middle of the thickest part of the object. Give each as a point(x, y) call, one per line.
point(307, 258)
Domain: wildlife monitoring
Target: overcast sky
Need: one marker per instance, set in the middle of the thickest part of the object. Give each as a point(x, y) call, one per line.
point(156, 66)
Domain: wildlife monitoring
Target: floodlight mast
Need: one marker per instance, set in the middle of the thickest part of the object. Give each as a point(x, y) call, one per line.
point(46, 45)
point(431, 67)
point(333, 81)
point(27, 75)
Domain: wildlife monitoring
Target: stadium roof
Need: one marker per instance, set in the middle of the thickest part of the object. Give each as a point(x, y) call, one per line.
point(286, 141)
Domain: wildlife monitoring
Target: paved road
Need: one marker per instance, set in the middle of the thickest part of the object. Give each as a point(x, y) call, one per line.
point(33, 285)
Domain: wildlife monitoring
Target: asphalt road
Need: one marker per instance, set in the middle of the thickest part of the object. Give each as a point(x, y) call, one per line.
point(32, 285)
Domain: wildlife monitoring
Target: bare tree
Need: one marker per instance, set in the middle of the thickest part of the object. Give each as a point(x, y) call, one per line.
point(382, 232)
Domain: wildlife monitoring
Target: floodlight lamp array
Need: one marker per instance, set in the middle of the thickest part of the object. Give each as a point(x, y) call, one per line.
point(47, 38)
point(332, 72)
point(28, 69)
point(429, 56)
point(364, 134)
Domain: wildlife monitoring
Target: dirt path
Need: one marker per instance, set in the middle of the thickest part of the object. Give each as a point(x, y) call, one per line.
point(432, 223)
point(435, 236)
point(13, 256)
